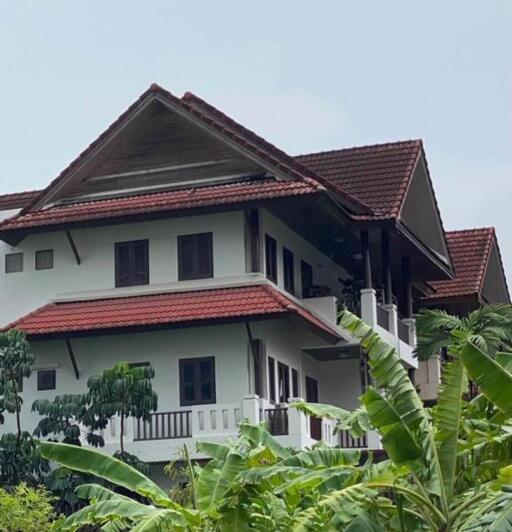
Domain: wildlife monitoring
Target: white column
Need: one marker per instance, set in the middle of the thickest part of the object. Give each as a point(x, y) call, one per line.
point(369, 306)
point(393, 319)
point(251, 408)
point(411, 323)
point(297, 421)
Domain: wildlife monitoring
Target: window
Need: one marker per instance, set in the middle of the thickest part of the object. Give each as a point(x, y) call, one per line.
point(271, 258)
point(306, 273)
point(283, 379)
point(288, 271)
point(14, 262)
point(46, 379)
point(197, 381)
point(132, 263)
point(295, 383)
point(195, 256)
point(271, 380)
point(44, 259)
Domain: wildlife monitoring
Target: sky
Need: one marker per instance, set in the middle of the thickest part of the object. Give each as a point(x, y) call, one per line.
point(305, 75)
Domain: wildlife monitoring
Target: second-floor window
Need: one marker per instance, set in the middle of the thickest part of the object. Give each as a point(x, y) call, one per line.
point(14, 262)
point(288, 271)
point(44, 259)
point(271, 258)
point(306, 272)
point(197, 381)
point(195, 256)
point(132, 263)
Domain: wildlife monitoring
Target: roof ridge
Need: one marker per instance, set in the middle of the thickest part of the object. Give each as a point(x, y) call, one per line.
point(363, 147)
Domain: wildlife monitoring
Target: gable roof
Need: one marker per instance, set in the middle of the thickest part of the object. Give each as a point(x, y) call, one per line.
point(209, 118)
point(470, 250)
point(378, 175)
point(168, 309)
point(17, 200)
point(160, 203)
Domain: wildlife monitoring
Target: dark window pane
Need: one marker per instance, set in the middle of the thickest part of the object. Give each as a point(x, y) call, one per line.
point(271, 258)
point(195, 256)
point(306, 272)
point(46, 379)
point(197, 381)
point(258, 354)
point(284, 382)
point(132, 263)
point(272, 379)
point(295, 383)
point(288, 271)
point(14, 262)
point(44, 259)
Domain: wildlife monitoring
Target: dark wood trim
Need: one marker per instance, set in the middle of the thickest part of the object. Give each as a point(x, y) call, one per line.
point(386, 267)
point(253, 221)
point(367, 263)
point(406, 275)
point(73, 247)
point(72, 358)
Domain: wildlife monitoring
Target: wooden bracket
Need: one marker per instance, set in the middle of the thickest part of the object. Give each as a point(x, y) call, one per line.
point(73, 359)
point(73, 247)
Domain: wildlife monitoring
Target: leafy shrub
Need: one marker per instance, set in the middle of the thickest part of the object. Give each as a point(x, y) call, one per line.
point(26, 509)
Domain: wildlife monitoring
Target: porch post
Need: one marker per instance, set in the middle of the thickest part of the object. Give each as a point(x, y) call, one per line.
point(406, 273)
point(251, 408)
point(367, 265)
point(386, 268)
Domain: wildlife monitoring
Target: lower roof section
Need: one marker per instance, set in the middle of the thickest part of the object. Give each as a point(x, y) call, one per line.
point(167, 310)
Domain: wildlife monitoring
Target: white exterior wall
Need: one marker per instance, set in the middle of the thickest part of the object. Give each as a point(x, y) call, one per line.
point(23, 292)
point(325, 271)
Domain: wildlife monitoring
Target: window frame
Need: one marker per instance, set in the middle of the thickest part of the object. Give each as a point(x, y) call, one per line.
point(283, 370)
point(271, 258)
point(197, 272)
point(288, 270)
point(38, 254)
point(197, 381)
point(271, 365)
point(41, 372)
point(131, 244)
point(12, 255)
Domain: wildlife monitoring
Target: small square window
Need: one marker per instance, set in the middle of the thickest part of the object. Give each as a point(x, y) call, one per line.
point(46, 379)
point(44, 259)
point(14, 262)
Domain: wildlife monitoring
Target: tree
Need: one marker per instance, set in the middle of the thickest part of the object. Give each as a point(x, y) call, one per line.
point(437, 451)
point(26, 509)
point(122, 391)
point(489, 328)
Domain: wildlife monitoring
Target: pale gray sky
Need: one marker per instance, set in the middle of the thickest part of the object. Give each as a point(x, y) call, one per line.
point(306, 75)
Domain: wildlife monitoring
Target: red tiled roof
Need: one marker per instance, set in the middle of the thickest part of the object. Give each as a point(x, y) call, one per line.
point(18, 200)
point(178, 308)
point(161, 202)
point(210, 117)
point(469, 250)
point(377, 175)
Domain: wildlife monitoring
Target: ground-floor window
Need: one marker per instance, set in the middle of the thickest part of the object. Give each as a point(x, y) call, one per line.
point(283, 379)
point(197, 381)
point(46, 379)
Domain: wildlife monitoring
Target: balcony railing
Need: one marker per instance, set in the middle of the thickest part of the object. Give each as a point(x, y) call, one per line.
point(403, 331)
point(382, 317)
point(277, 421)
point(347, 441)
point(164, 426)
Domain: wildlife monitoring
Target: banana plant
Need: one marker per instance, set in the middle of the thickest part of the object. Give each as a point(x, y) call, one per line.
point(428, 445)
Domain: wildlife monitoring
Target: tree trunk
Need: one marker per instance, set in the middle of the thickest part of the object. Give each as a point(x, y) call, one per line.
point(121, 437)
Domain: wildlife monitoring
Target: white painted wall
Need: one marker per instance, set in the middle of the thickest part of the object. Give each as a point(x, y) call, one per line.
point(325, 271)
point(23, 292)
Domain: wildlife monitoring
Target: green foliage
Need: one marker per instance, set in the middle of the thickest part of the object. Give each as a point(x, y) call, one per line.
point(25, 509)
point(122, 391)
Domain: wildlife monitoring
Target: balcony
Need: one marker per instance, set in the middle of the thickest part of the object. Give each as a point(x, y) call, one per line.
point(401, 334)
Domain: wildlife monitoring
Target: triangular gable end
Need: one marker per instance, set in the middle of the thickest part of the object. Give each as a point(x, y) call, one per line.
point(494, 285)
point(420, 212)
point(152, 149)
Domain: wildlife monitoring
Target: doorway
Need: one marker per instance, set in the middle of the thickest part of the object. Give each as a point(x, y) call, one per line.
point(315, 427)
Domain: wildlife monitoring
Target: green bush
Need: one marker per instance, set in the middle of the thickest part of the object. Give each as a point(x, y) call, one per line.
point(25, 509)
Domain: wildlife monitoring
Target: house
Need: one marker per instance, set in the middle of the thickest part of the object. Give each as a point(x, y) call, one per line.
point(479, 280)
point(182, 239)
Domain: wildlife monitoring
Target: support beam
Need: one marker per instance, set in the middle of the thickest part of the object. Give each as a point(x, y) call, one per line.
point(73, 247)
point(72, 358)
point(367, 265)
point(386, 268)
point(406, 274)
